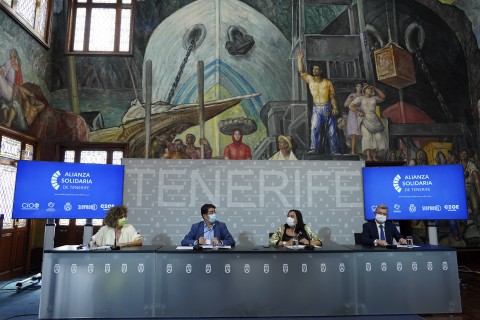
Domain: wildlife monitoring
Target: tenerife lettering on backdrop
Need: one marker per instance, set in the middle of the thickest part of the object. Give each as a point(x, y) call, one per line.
point(253, 197)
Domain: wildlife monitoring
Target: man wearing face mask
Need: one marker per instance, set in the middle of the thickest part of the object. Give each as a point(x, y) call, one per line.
point(209, 231)
point(116, 230)
point(294, 227)
point(380, 232)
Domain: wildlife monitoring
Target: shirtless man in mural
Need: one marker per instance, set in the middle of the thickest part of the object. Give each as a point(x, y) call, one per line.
point(178, 153)
point(193, 151)
point(324, 108)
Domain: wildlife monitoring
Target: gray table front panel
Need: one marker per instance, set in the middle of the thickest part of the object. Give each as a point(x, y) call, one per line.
point(408, 282)
point(97, 285)
point(251, 284)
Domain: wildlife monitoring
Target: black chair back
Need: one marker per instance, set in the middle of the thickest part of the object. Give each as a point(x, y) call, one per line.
point(358, 237)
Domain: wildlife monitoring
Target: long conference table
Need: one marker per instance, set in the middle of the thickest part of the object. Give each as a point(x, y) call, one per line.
point(164, 282)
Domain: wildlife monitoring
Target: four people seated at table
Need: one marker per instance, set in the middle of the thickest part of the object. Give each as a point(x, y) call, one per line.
point(380, 232)
point(208, 231)
point(294, 227)
point(116, 231)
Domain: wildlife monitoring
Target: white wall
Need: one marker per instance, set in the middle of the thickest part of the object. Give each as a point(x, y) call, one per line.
point(252, 197)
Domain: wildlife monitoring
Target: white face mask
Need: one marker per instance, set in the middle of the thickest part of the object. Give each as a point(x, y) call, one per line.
point(290, 221)
point(380, 218)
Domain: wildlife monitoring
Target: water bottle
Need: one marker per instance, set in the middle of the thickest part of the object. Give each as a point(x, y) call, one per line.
point(295, 242)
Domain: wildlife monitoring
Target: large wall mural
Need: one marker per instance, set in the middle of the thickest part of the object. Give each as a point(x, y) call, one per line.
point(419, 59)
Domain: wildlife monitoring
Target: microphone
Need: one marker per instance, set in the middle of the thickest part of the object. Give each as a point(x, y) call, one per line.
point(115, 247)
point(198, 246)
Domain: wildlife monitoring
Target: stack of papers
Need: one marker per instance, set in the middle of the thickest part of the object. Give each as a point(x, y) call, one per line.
point(101, 248)
point(299, 247)
point(405, 246)
point(205, 246)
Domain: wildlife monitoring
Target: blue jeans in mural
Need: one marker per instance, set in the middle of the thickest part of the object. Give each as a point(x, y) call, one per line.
point(323, 122)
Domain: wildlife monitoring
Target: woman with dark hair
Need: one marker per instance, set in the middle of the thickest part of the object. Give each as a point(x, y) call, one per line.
point(294, 227)
point(116, 230)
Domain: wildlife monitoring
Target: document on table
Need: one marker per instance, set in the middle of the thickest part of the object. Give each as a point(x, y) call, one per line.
point(205, 246)
point(299, 247)
point(104, 248)
point(405, 246)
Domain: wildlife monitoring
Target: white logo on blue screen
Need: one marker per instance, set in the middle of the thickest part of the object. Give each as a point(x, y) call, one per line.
point(54, 180)
point(432, 208)
point(51, 206)
point(412, 183)
point(396, 208)
point(93, 207)
point(412, 208)
point(452, 207)
point(396, 182)
point(30, 206)
point(67, 206)
point(71, 180)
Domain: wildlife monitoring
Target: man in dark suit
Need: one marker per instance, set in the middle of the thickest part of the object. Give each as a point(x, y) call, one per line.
point(380, 232)
point(208, 231)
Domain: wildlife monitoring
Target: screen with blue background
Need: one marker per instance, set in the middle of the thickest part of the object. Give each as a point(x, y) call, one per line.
point(416, 192)
point(47, 190)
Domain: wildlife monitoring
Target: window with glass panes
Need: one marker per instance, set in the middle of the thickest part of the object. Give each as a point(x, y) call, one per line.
point(11, 150)
point(33, 15)
point(100, 27)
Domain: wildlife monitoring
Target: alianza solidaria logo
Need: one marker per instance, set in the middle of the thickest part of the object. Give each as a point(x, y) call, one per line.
point(71, 180)
point(411, 182)
point(54, 180)
point(396, 181)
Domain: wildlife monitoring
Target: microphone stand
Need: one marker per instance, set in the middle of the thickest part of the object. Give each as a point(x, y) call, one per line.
point(309, 246)
point(115, 247)
point(198, 246)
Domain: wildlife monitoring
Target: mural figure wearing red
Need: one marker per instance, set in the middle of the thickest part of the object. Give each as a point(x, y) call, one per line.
point(237, 150)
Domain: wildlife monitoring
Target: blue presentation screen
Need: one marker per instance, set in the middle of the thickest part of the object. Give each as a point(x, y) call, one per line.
point(66, 190)
point(416, 192)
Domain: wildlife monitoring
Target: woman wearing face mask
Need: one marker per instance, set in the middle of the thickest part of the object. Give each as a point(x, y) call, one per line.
point(116, 227)
point(294, 226)
point(380, 232)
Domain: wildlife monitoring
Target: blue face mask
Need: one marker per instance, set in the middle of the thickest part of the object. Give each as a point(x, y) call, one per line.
point(212, 218)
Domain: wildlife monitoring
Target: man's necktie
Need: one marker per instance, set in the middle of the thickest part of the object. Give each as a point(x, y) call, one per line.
point(382, 234)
